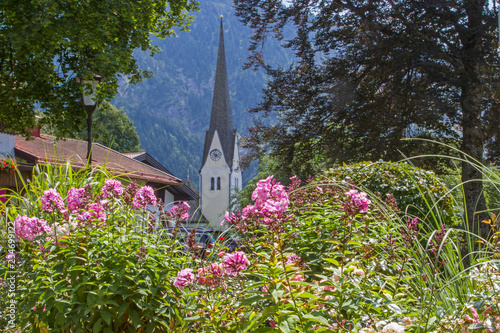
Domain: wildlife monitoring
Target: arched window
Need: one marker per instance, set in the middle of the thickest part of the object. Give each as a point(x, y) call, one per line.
point(218, 183)
point(212, 183)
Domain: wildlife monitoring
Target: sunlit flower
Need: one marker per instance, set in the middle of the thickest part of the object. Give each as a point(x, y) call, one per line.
point(180, 211)
point(393, 328)
point(235, 262)
point(359, 199)
point(112, 188)
point(30, 227)
point(76, 199)
point(184, 278)
point(51, 201)
point(145, 196)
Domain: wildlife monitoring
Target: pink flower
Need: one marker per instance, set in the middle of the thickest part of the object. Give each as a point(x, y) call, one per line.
point(298, 277)
point(144, 197)
point(272, 323)
point(292, 259)
point(210, 275)
point(112, 188)
point(235, 262)
point(94, 215)
point(51, 201)
point(359, 199)
point(262, 191)
point(97, 213)
point(180, 211)
point(76, 199)
point(30, 227)
point(475, 315)
point(184, 278)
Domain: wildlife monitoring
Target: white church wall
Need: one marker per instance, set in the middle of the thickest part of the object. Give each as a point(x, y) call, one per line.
point(215, 199)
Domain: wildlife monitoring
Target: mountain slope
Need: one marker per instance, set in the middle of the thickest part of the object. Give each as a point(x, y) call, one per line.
point(171, 111)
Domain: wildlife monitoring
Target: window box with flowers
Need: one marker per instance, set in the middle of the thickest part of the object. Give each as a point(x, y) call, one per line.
point(8, 164)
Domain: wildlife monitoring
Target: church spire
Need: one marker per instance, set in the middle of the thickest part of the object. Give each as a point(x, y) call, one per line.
point(221, 119)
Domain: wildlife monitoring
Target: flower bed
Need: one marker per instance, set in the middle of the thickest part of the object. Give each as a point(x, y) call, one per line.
point(324, 257)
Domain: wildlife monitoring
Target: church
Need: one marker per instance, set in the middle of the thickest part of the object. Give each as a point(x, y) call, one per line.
point(220, 172)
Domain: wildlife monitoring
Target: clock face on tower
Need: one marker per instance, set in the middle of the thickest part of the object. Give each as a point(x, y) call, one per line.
point(215, 154)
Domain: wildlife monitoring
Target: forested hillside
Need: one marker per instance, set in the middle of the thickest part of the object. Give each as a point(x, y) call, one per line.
point(171, 110)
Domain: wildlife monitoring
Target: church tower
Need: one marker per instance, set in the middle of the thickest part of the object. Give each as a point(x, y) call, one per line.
point(220, 170)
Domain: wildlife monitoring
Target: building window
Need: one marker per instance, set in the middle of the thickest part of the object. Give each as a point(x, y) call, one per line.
point(236, 182)
point(218, 183)
point(212, 183)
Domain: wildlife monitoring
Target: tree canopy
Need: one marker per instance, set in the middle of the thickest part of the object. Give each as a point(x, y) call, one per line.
point(370, 73)
point(45, 45)
point(112, 128)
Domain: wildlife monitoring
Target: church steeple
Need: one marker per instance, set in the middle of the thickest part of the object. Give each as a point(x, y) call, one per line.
point(221, 119)
point(220, 174)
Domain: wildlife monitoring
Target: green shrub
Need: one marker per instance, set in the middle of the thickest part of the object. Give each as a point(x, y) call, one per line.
point(98, 265)
point(417, 192)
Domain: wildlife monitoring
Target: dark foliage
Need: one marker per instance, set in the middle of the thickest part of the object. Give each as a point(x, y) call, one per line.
point(370, 73)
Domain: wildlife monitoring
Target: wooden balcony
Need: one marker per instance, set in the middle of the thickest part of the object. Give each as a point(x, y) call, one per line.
point(12, 180)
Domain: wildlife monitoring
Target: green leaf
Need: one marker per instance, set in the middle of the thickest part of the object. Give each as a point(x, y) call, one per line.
point(106, 315)
point(252, 299)
point(97, 326)
point(332, 261)
point(134, 316)
point(317, 318)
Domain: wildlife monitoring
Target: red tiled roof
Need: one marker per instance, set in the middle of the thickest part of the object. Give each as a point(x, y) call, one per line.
point(45, 149)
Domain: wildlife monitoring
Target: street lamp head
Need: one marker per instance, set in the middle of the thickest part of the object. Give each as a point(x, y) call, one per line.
point(89, 90)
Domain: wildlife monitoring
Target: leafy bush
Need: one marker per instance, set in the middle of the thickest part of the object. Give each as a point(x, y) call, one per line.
point(327, 258)
point(417, 192)
point(86, 256)
point(323, 257)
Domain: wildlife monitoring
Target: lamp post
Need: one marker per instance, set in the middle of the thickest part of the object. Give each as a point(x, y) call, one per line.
point(89, 99)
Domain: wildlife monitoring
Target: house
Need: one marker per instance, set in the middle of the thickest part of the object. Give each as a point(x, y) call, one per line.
point(173, 194)
point(45, 149)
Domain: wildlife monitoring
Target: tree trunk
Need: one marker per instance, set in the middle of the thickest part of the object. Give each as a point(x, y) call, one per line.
point(472, 127)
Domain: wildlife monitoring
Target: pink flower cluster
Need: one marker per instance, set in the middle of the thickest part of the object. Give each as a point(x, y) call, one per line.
point(145, 196)
point(292, 259)
point(112, 188)
point(271, 202)
point(184, 278)
point(30, 227)
point(76, 199)
point(270, 197)
point(359, 199)
point(95, 214)
point(52, 201)
point(235, 262)
point(213, 274)
point(180, 211)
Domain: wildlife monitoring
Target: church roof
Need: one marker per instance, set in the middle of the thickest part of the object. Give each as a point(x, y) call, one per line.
point(221, 119)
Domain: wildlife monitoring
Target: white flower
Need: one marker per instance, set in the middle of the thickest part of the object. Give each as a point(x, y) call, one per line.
point(393, 328)
point(359, 272)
